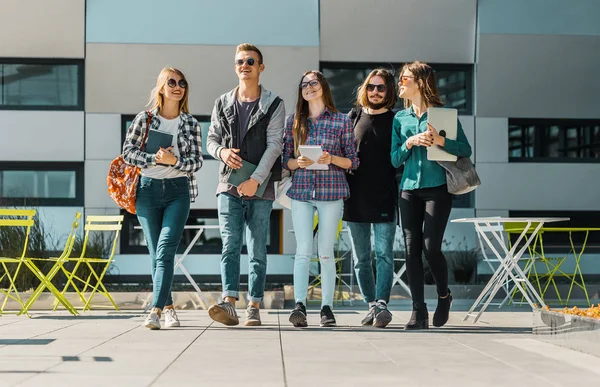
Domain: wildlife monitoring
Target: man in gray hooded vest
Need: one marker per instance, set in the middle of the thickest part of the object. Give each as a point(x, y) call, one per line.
point(246, 130)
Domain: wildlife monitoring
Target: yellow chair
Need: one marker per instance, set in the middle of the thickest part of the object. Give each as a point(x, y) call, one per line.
point(13, 218)
point(537, 254)
point(97, 266)
point(70, 242)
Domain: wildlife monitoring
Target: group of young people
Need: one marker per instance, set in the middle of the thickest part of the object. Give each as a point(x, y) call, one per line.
point(356, 182)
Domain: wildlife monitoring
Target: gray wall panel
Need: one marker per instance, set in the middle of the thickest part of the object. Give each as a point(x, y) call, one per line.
point(398, 31)
point(538, 76)
point(41, 136)
point(492, 140)
point(532, 186)
point(96, 193)
point(119, 77)
point(42, 28)
point(102, 136)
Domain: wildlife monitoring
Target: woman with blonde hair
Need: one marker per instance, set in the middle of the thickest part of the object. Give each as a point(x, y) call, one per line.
point(317, 122)
point(167, 183)
point(425, 203)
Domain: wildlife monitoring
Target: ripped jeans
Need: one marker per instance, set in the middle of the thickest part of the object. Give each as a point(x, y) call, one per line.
point(329, 215)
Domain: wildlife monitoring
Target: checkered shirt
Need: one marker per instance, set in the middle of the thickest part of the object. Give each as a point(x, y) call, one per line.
point(334, 132)
point(189, 141)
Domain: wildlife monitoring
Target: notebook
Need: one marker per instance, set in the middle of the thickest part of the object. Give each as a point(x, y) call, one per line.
point(313, 152)
point(158, 139)
point(238, 176)
point(445, 121)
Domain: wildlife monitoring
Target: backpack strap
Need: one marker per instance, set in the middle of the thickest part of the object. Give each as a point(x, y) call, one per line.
point(273, 107)
point(354, 115)
point(147, 130)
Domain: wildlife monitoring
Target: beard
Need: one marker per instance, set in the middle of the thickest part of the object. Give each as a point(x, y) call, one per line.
point(376, 106)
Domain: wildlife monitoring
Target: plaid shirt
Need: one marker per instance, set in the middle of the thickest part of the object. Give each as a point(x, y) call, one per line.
point(334, 132)
point(189, 141)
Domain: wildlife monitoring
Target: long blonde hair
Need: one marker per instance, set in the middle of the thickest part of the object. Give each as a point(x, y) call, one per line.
point(157, 99)
point(300, 127)
point(428, 89)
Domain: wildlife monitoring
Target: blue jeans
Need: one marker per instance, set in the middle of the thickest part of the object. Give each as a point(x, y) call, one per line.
point(162, 207)
point(234, 214)
point(329, 214)
point(384, 234)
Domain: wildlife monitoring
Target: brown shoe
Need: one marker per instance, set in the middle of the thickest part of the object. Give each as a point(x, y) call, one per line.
point(224, 313)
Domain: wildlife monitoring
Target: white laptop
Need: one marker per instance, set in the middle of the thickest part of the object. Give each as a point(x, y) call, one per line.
point(444, 120)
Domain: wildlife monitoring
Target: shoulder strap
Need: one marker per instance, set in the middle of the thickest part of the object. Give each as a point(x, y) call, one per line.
point(273, 107)
point(147, 130)
point(354, 115)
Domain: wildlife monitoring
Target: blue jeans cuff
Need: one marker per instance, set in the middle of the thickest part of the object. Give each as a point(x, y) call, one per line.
point(254, 299)
point(231, 293)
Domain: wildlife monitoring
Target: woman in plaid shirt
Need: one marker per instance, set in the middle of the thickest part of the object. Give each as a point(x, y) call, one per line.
point(317, 122)
point(167, 183)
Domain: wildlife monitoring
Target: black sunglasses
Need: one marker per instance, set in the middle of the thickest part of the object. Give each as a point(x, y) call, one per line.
point(314, 83)
point(249, 61)
point(182, 83)
point(380, 88)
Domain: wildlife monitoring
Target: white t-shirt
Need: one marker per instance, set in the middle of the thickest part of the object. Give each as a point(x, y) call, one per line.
point(162, 171)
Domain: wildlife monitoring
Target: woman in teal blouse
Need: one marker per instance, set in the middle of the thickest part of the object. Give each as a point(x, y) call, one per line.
point(425, 203)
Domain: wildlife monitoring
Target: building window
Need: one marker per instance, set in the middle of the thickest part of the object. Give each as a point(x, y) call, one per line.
point(204, 121)
point(41, 184)
point(558, 242)
point(41, 84)
point(553, 140)
point(133, 242)
point(455, 83)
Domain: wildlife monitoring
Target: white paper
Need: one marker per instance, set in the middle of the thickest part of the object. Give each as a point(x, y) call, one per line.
point(313, 152)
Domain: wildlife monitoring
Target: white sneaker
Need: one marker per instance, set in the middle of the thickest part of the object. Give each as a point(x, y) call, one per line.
point(152, 321)
point(171, 319)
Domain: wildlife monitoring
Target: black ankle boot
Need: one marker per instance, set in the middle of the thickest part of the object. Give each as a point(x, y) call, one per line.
point(442, 311)
point(419, 318)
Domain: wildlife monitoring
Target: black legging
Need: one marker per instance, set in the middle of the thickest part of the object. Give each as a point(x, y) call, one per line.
point(424, 213)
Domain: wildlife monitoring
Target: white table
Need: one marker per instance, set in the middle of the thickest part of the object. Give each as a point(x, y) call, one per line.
point(179, 259)
point(508, 258)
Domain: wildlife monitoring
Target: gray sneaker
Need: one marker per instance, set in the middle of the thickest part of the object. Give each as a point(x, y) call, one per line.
point(252, 317)
point(224, 313)
point(368, 320)
point(382, 315)
point(152, 321)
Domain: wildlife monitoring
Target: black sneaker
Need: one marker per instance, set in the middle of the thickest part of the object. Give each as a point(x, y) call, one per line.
point(368, 320)
point(224, 313)
point(298, 316)
point(382, 315)
point(442, 311)
point(327, 317)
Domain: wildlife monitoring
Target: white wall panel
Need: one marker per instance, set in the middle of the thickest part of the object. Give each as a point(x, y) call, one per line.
point(96, 192)
point(119, 77)
point(491, 140)
point(42, 28)
point(41, 135)
point(532, 186)
point(102, 136)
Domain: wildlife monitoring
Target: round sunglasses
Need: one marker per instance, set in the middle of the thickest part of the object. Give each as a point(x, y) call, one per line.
point(380, 88)
point(313, 83)
point(249, 61)
point(182, 83)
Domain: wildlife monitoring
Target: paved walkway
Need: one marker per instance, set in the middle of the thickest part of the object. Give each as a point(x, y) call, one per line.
point(112, 349)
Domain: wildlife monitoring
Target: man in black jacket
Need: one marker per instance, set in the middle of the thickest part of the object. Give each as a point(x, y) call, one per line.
point(374, 194)
point(246, 130)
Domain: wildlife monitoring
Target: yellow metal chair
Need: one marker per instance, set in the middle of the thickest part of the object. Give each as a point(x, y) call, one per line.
point(537, 254)
point(96, 266)
point(13, 218)
point(70, 242)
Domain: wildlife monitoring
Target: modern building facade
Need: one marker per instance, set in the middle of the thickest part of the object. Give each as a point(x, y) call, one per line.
point(73, 73)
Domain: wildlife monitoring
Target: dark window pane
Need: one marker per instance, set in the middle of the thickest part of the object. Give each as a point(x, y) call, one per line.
point(454, 83)
point(41, 183)
point(545, 139)
point(40, 85)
